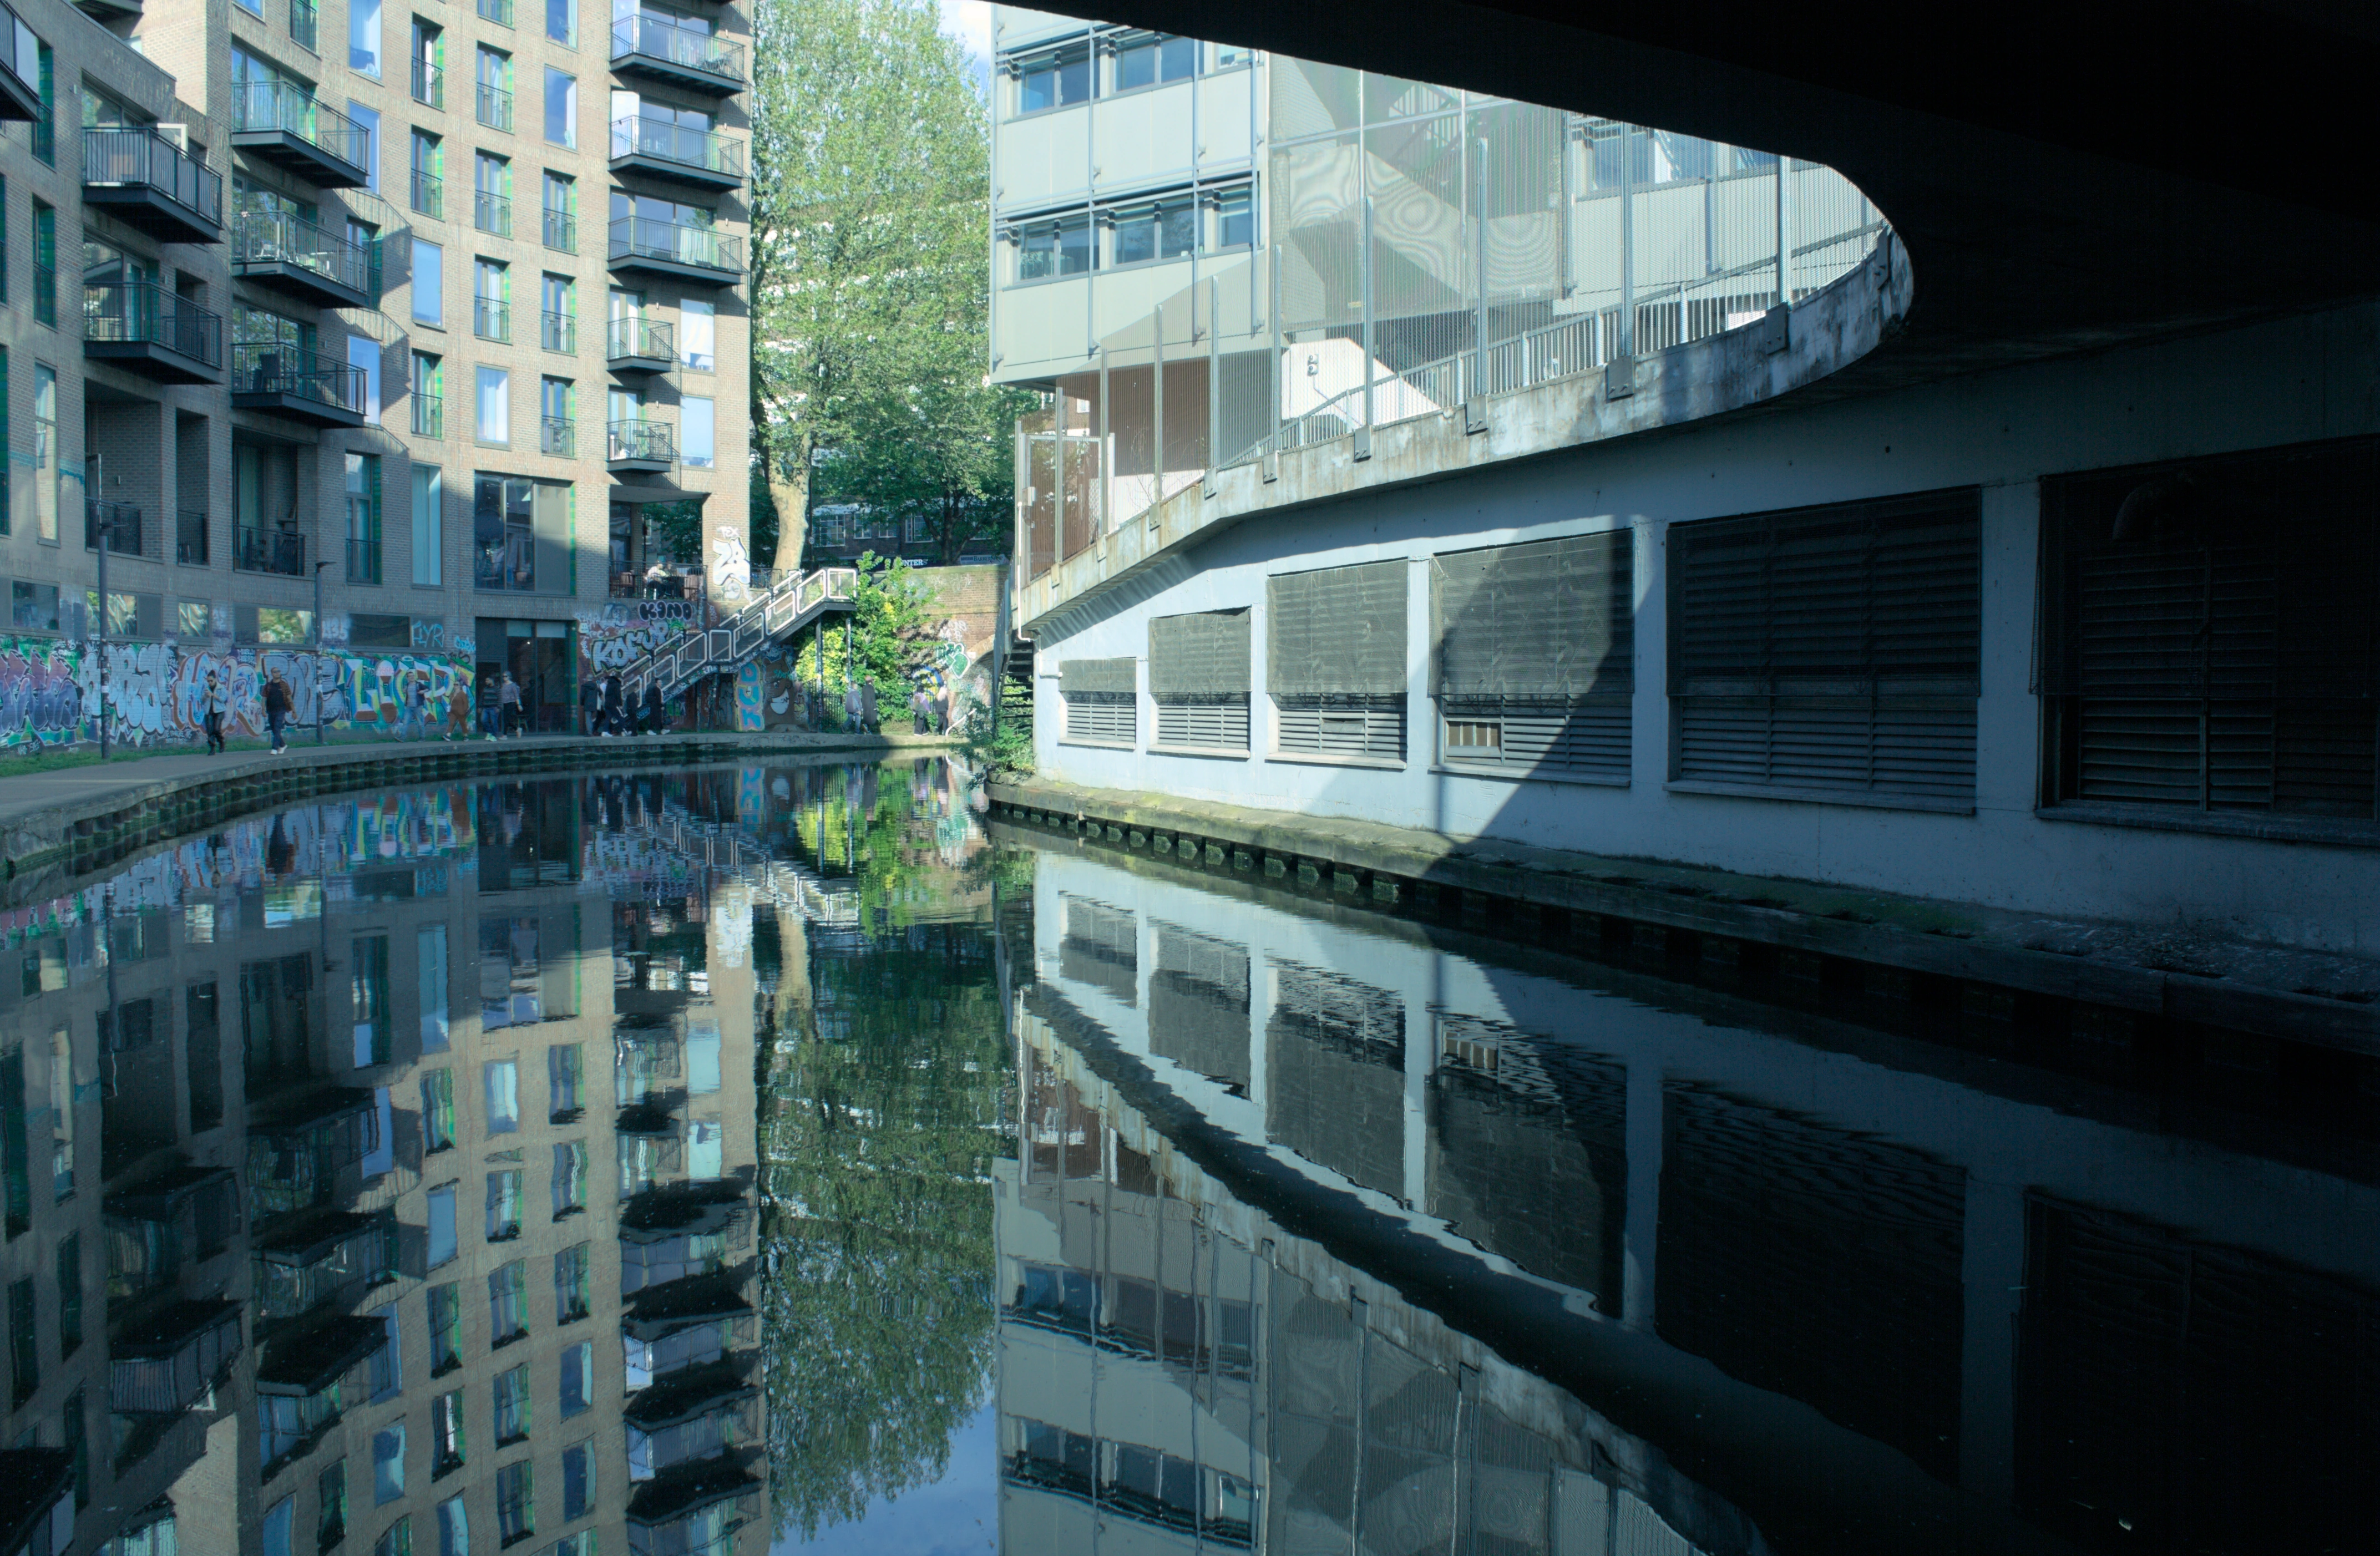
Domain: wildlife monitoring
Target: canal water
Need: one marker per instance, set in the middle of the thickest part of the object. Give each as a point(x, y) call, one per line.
point(779, 1158)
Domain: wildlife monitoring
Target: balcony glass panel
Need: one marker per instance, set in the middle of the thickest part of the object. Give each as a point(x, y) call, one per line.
point(658, 38)
point(638, 136)
point(263, 236)
point(144, 159)
point(650, 238)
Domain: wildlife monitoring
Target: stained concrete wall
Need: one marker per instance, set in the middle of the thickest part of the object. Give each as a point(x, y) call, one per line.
point(2292, 381)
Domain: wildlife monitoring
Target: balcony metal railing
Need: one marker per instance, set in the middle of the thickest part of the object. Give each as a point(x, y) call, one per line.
point(498, 11)
point(144, 311)
point(492, 318)
point(638, 136)
point(429, 83)
point(117, 523)
point(659, 39)
point(257, 550)
point(428, 414)
point(269, 367)
point(267, 105)
point(560, 230)
point(652, 239)
point(363, 561)
point(144, 159)
point(429, 194)
point(635, 335)
point(494, 106)
point(305, 25)
point(261, 236)
point(640, 438)
point(557, 435)
point(558, 332)
point(190, 537)
point(491, 211)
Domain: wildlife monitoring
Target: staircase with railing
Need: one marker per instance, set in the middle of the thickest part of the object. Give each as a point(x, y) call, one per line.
point(782, 609)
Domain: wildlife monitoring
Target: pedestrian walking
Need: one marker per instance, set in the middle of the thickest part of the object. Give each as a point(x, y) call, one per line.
point(217, 708)
point(868, 720)
point(417, 705)
point(614, 711)
point(921, 717)
point(277, 706)
point(655, 718)
point(508, 706)
point(591, 703)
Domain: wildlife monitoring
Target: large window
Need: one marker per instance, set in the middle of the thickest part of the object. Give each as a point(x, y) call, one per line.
point(1829, 654)
point(1060, 246)
point(1335, 661)
point(561, 107)
point(363, 37)
point(698, 335)
point(2208, 640)
point(697, 433)
point(429, 549)
point(1055, 79)
point(1532, 651)
point(429, 282)
point(1199, 678)
point(492, 421)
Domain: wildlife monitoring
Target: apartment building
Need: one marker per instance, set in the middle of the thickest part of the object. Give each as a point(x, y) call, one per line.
point(327, 1226)
point(392, 325)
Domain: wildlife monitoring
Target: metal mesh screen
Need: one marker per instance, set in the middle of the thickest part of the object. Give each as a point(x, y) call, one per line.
point(1551, 620)
point(1199, 658)
point(1337, 632)
point(1098, 674)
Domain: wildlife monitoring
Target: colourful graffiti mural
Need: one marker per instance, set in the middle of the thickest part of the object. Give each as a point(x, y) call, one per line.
point(156, 692)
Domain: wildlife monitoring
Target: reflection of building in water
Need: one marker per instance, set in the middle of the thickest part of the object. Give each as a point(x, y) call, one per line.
point(1357, 1243)
point(359, 1196)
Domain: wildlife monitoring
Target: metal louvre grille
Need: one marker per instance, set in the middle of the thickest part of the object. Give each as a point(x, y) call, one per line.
point(1221, 726)
point(1102, 716)
point(1831, 650)
point(1552, 621)
point(2221, 653)
point(1337, 632)
point(1508, 735)
point(1373, 727)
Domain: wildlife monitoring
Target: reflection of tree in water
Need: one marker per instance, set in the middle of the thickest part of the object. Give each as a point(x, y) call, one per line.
point(880, 1118)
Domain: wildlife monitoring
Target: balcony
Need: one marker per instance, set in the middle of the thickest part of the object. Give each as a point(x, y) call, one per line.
point(558, 332)
point(281, 551)
point(493, 105)
point(658, 49)
point(635, 344)
point(142, 327)
point(331, 1257)
point(699, 1414)
point(428, 414)
point(674, 152)
point(428, 84)
point(429, 194)
point(653, 247)
point(143, 179)
point(560, 230)
point(280, 124)
point(694, 1510)
point(116, 524)
point(491, 211)
point(190, 537)
point(557, 435)
point(305, 385)
point(297, 257)
point(20, 69)
point(492, 318)
point(161, 1365)
point(640, 447)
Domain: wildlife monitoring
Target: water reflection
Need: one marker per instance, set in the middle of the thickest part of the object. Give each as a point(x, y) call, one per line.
point(691, 1163)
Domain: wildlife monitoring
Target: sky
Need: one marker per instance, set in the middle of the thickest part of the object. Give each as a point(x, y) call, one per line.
point(970, 22)
point(958, 1515)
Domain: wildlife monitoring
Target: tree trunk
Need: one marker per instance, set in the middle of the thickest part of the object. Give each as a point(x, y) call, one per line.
point(792, 502)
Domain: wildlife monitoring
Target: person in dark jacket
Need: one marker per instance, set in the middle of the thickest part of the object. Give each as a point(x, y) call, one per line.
point(591, 703)
point(277, 706)
point(612, 708)
point(654, 718)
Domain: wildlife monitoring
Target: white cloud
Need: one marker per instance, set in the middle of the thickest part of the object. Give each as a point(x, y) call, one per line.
point(970, 22)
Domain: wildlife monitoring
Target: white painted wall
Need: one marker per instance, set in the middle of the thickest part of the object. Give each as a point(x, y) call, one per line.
point(2288, 382)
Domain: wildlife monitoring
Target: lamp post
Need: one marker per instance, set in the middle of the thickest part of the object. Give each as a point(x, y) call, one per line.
point(106, 538)
point(321, 704)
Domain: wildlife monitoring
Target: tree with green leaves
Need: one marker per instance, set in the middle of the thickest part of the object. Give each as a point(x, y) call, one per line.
point(871, 283)
point(890, 637)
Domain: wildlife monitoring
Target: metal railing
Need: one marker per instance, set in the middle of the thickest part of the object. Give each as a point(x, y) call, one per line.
point(277, 106)
point(363, 561)
point(652, 239)
point(658, 39)
point(255, 550)
point(260, 237)
point(492, 318)
point(143, 159)
point(144, 311)
point(491, 211)
point(493, 105)
point(117, 523)
point(788, 602)
point(559, 229)
point(269, 367)
point(428, 414)
point(305, 25)
point(429, 194)
point(558, 332)
point(638, 136)
point(430, 83)
point(639, 438)
point(498, 11)
point(557, 435)
point(190, 537)
point(635, 335)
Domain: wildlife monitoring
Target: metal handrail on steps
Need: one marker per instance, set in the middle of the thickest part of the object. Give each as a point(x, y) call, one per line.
point(785, 607)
